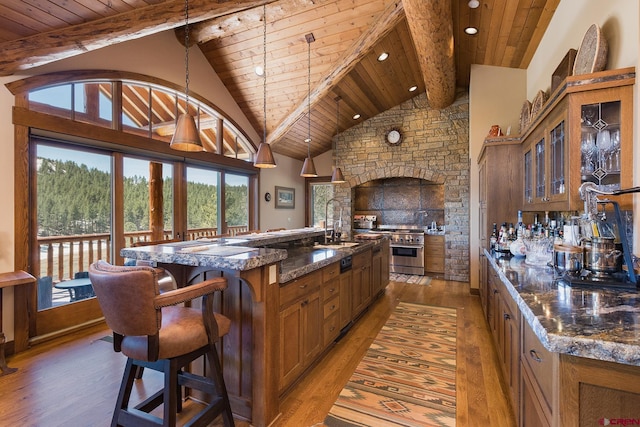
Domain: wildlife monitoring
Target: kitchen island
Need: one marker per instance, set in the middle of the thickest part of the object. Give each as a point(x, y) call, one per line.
point(570, 353)
point(263, 271)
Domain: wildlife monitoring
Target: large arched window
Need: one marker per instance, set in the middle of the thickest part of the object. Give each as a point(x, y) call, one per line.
point(139, 108)
point(95, 173)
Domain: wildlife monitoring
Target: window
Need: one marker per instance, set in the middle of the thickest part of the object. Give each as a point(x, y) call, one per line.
point(236, 193)
point(91, 190)
point(319, 195)
point(202, 202)
point(147, 110)
point(136, 195)
point(74, 219)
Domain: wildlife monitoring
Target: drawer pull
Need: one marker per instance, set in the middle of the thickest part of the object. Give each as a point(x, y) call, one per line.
point(534, 356)
point(303, 286)
point(495, 291)
point(305, 302)
point(332, 290)
point(333, 307)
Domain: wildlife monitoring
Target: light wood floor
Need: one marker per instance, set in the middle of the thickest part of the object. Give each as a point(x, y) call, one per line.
point(73, 381)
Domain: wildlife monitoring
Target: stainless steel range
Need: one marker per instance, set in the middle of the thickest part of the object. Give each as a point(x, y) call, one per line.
point(406, 247)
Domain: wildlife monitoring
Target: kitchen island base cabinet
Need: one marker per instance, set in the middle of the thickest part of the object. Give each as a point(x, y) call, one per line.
point(361, 282)
point(300, 327)
point(593, 390)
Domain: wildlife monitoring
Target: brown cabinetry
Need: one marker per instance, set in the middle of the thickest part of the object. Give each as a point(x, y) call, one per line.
point(331, 303)
point(379, 267)
point(301, 327)
point(346, 296)
point(500, 180)
point(361, 282)
point(503, 317)
point(583, 133)
point(539, 380)
point(433, 254)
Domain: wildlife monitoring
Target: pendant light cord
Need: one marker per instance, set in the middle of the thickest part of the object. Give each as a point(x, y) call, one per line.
point(186, 53)
point(309, 40)
point(264, 71)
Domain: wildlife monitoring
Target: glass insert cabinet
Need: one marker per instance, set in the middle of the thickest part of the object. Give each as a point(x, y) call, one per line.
point(583, 133)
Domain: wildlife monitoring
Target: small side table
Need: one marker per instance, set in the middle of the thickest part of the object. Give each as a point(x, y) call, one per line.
point(16, 279)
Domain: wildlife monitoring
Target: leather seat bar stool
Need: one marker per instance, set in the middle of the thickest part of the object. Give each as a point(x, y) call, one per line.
point(155, 331)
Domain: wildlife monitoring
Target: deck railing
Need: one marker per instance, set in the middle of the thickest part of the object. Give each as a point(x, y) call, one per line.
point(63, 256)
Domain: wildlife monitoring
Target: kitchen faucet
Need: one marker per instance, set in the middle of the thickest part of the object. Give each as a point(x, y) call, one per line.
point(333, 236)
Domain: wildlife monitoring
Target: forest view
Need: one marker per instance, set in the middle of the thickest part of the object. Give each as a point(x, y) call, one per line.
point(75, 199)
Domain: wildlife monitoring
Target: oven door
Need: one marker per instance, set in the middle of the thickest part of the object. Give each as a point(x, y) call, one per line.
point(407, 259)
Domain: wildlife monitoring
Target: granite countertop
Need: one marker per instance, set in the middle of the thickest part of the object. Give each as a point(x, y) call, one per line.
point(589, 321)
point(305, 260)
point(248, 252)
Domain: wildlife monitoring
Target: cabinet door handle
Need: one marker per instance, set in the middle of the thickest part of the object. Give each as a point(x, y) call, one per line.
point(333, 328)
point(332, 290)
point(495, 291)
point(534, 356)
point(305, 302)
point(332, 307)
point(506, 316)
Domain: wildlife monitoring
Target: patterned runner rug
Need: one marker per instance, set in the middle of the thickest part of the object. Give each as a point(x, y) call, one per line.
point(410, 278)
point(408, 375)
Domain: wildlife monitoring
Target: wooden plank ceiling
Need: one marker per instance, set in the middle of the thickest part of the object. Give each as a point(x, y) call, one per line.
point(340, 64)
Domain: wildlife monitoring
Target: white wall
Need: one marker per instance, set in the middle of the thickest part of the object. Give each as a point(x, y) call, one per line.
point(287, 174)
point(496, 95)
point(618, 20)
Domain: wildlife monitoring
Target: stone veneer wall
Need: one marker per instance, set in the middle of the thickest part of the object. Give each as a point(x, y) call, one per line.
point(435, 147)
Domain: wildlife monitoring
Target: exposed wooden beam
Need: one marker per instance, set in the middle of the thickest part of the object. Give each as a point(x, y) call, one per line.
point(251, 18)
point(384, 24)
point(431, 26)
point(54, 45)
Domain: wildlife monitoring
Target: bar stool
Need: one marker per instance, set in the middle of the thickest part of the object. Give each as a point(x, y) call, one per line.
point(154, 332)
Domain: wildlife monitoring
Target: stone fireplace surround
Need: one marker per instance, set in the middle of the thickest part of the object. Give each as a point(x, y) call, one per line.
point(435, 148)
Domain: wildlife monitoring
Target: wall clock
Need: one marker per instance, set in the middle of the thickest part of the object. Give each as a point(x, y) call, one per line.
point(267, 197)
point(393, 137)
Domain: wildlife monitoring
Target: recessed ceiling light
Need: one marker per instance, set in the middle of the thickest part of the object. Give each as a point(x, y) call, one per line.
point(260, 70)
point(383, 56)
point(471, 30)
point(474, 4)
point(356, 116)
point(413, 88)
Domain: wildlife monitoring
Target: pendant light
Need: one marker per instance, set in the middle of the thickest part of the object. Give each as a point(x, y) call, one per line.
point(186, 136)
point(308, 168)
point(264, 157)
point(336, 176)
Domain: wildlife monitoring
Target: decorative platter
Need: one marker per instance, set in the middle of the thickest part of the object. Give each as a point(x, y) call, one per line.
point(537, 104)
point(592, 54)
point(525, 115)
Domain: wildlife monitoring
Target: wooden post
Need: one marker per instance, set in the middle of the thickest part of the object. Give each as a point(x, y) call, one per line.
point(156, 221)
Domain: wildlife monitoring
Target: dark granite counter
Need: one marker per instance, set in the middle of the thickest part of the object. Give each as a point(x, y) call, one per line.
point(248, 252)
point(581, 320)
point(305, 260)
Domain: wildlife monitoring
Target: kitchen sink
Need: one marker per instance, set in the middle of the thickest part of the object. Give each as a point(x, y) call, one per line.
point(340, 245)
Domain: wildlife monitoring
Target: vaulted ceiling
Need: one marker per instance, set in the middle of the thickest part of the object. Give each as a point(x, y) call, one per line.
point(425, 41)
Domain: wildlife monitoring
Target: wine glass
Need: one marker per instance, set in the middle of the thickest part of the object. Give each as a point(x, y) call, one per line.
point(603, 141)
point(587, 148)
point(615, 148)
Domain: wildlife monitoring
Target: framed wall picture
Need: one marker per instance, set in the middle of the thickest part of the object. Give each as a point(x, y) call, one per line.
point(285, 198)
